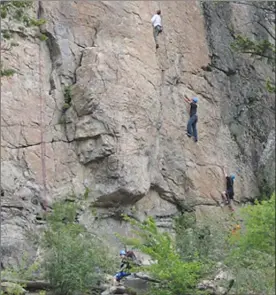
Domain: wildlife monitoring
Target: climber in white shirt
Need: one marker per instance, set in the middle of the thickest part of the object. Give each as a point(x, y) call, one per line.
point(157, 26)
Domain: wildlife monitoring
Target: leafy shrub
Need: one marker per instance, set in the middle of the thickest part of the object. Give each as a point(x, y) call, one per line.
point(259, 221)
point(244, 244)
point(43, 37)
point(24, 270)
point(12, 289)
point(3, 13)
point(68, 94)
point(206, 241)
point(263, 49)
point(7, 72)
point(175, 275)
point(6, 34)
point(67, 98)
point(252, 257)
point(17, 10)
point(270, 87)
point(75, 259)
point(22, 4)
point(32, 22)
point(248, 251)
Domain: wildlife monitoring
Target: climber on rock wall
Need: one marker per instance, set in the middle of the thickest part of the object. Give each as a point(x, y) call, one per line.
point(228, 195)
point(191, 127)
point(157, 26)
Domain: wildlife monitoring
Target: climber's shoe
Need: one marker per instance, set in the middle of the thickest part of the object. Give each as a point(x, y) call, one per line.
point(188, 134)
point(195, 140)
point(157, 46)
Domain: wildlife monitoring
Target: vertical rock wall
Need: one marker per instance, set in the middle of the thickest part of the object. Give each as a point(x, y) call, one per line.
point(123, 136)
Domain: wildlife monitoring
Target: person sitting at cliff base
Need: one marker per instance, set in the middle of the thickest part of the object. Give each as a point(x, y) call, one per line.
point(128, 258)
point(157, 26)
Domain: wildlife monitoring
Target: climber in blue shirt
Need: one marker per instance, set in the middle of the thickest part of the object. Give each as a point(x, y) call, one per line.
point(191, 127)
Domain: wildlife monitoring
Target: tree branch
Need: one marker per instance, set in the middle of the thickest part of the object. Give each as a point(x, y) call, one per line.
point(257, 54)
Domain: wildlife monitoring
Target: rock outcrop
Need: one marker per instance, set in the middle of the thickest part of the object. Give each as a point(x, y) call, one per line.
point(123, 133)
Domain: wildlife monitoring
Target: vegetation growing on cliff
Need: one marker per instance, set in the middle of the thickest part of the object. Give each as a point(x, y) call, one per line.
point(16, 13)
point(248, 252)
point(264, 49)
point(74, 259)
point(252, 256)
point(175, 275)
point(67, 98)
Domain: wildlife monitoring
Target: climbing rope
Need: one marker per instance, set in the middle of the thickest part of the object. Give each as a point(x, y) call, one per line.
point(164, 36)
point(42, 129)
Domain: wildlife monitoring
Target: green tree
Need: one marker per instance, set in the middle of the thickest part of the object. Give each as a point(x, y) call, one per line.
point(175, 275)
point(253, 251)
point(205, 241)
point(74, 259)
point(264, 48)
point(259, 221)
point(244, 245)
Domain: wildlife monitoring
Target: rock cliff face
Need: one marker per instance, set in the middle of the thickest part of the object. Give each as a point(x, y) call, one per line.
point(123, 136)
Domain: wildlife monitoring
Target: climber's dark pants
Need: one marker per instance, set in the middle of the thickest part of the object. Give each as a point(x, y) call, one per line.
point(191, 127)
point(156, 31)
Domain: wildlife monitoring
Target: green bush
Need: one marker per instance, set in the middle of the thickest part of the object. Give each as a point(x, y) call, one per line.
point(43, 37)
point(22, 4)
point(18, 14)
point(252, 257)
point(37, 22)
point(259, 221)
point(68, 94)
point(25, 270)
point(65, 107)
point(175, 275)
point(263, 49)
point(248, 253)
point(67, 98)
point(15, 9)
point(18, 10)
point(6, 34)
point(7, 72)
point(3, 13)
point(247, 250)
point(270, 87)
point(205, 242)
point(74, 260)
point(13, 289)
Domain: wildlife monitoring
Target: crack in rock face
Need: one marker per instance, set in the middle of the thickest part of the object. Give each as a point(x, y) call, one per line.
point(123, 135)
